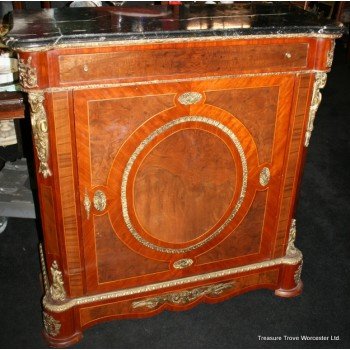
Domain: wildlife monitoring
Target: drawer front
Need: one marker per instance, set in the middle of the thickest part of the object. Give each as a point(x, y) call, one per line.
point(181, 62)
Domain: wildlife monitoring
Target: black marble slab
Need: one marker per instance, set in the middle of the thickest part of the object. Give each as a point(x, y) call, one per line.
point(38, 29)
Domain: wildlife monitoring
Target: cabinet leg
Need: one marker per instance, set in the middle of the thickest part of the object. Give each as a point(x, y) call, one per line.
point(60, 330)
point(290, 282)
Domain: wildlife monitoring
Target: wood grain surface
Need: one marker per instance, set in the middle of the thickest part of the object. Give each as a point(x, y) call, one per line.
point(181, 181)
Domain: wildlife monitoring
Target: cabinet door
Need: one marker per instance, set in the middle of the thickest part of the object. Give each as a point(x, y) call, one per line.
point(180, 179)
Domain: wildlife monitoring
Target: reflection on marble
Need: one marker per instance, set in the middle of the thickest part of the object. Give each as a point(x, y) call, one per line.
point(49, 27)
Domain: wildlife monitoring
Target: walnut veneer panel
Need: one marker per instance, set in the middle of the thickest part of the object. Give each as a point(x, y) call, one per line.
point(245, 241)
point(116, 261)
point(246, 104)
point(183, 177)
point(120, 116)
point(217, 60)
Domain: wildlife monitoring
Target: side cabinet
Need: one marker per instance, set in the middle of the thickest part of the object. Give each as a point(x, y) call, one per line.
point(165, 185)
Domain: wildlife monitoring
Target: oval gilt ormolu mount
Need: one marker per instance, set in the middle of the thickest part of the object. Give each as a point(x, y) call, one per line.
point(190, 98)
point(182, 156)
point(154, 209)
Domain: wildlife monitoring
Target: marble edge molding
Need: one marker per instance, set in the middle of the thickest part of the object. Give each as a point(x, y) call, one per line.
point(15, 44)
point(291, 258)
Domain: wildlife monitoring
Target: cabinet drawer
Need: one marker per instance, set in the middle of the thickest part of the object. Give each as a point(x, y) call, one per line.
point(189, 61)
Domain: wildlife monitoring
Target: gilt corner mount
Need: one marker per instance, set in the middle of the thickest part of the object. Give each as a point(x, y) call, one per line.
point(27, 73)
point(320, 83)
point(40, 131)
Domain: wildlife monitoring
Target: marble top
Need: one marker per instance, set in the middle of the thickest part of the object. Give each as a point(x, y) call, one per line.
point(39, 29)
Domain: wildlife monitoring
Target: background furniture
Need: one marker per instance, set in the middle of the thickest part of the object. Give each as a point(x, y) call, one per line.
point(16, 199)
point(140, 213)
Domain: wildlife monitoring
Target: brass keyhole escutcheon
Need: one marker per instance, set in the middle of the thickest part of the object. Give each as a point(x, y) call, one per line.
point(264, 177)
point(100, 200)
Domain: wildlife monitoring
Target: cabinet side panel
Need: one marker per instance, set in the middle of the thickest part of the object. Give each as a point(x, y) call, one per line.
point(299, 118)
point(49, 220)
point(61, 112)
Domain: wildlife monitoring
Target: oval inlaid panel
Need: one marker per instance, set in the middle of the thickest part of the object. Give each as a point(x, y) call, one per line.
point(201, 148)
point(184, 186)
